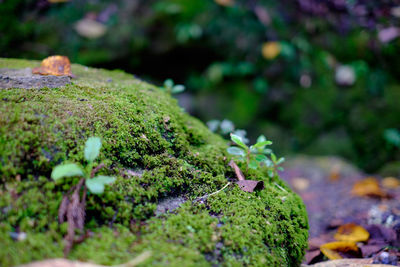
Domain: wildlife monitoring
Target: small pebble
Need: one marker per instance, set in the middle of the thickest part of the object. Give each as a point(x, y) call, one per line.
point(386, 258)
point(18, 236)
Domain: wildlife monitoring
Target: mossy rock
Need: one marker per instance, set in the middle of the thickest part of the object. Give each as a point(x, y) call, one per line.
point(157, 152)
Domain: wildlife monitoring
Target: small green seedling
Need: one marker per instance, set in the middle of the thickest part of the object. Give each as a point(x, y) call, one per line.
point(255, 155)
point(172, 88)
point(392, 136)
point(73, 205)
point(225, 127)
point(94, 184)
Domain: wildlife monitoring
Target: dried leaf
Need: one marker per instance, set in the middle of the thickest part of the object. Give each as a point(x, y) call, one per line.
point(270, 50)
point(352, 232)
point(75, 215)
point(368, 187)
point(390, 182)
point(237, 170)
point(349, 263)
point(334, 174)
point(332, 250)
point(90, 28)
point(380, 234)
point(250, 185)
point(54, 65)
point(316, 242)
point(313, 256)
point(224, 2)
point(300, 184)
point(245, 185)
point(62, 210)
point(368, 250)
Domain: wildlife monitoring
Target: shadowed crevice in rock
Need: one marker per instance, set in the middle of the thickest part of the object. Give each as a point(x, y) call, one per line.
point(23, 78)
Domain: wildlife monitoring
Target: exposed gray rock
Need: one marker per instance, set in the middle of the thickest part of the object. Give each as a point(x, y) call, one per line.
point(23, 78)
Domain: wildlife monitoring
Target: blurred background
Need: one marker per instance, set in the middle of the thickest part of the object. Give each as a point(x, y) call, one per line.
point(319, 77)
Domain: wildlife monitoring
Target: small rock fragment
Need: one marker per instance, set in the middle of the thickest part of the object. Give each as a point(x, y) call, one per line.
point(18, 236)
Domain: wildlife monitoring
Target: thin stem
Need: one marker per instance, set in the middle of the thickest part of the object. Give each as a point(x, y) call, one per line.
point(136, 261)
point(248, 161)
point(216, 192)
point(98, 167)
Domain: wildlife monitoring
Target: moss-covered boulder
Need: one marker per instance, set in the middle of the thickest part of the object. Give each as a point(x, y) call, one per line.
point(159, 155)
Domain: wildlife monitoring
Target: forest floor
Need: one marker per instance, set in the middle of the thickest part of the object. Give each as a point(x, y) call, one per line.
point(344, 204)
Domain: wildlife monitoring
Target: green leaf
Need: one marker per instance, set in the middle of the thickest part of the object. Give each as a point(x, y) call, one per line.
point(178, 89)
point(273, 157)
point(266, 151)
point(238, 140)
point(392, 136)
point(262, 144)
point(281, 160)
point(261, 138)
point(92, 148)
point(253, 164)
point(66, 170)
point(169, 83)
point(233, 150)
point(96, 184)
point(261, 158)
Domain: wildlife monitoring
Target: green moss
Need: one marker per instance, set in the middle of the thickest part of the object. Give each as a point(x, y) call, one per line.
point(143, 131)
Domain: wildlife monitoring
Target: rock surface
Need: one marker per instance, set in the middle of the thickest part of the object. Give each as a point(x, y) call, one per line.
point(23, 78)
point(157, 152)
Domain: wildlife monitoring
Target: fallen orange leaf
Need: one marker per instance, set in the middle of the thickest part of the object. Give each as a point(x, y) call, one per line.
point(331, 250)
point(368, 187)
point(390, 182)
point(270, 50)
point(54, 65)
point(334, 174)
point(351, 232)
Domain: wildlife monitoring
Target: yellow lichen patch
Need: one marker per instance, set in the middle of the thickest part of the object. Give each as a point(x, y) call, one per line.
point(54, 65)
point(351, 232)
point(368, 187)
point(270, 50)
point(331, 250)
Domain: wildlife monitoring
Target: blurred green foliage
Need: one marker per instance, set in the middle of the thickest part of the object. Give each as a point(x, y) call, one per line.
point(314, 76)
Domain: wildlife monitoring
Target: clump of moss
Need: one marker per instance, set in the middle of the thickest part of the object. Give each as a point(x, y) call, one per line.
point(155, 151)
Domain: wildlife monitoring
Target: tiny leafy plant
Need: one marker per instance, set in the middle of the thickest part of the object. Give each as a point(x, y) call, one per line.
point(73, 205)
point(226, 127)
point(172, 88)
point(256, 155)
point(392, 136)
point(91, 152)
